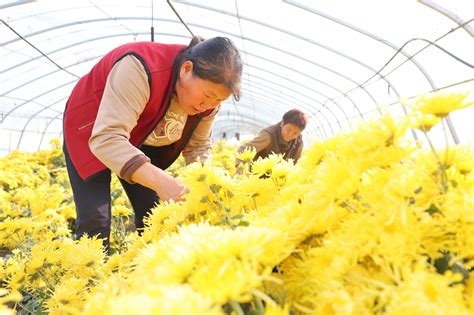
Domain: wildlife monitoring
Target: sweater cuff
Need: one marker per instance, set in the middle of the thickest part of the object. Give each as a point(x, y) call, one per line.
point(131, 166)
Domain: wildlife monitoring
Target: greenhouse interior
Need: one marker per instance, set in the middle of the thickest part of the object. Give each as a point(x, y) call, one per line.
point(237, 157)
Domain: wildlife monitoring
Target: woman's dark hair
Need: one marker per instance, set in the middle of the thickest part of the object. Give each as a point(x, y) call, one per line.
point(295, 117)
point(215, 59)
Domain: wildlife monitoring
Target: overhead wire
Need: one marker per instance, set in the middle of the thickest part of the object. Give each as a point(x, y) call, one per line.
point(179, 17)
point(245, 56)
point(430, 43)
point(38, 50)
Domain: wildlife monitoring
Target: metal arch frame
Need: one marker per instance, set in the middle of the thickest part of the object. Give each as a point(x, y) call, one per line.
point(56, 117)
point(46, 128)
point(450, 15)
point(220, 127)
point(245, 110)
point(71, 65)
point(317, 118)
point(312, 90)
point(39, 95)
point(361, 31)
point(205, 27)
point(168, 34)
point(283, 96)
point(86, 22)
point(307, 105)
point(48, 106)
point(22, 99)
point(244, 102)
point(64, 25)
point(58, 70)
point(3, 6)
point(229, 125)
point(254, 121)
point(236, 123)
point(304, 105)
point(146, 33)
point(321, 66)
point(317, 44)
point(80, 43)
point(96, 20)
point(285, 87)
point(165, 20)
point(328, 109)
point(307, 88)
point(273, 27)
point(218, 130)
point(248, 114)
point(276, 102)
point(301, 73)
point(34, 115)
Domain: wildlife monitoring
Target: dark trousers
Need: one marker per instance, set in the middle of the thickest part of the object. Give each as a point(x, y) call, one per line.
point(93, 202)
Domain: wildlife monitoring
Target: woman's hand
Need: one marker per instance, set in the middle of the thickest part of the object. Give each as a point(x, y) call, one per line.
point(170, 188)
point(166, 186)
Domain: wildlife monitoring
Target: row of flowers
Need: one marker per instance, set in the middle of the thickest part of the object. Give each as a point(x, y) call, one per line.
point(366, 222)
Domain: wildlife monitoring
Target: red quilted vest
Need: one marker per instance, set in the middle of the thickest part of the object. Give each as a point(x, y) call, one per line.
point(83, 104)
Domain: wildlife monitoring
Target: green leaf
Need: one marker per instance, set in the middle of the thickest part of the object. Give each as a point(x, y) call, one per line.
point(215, 188)
point(433, 209)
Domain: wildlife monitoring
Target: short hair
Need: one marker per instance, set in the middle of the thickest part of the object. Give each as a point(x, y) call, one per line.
point(295, 117)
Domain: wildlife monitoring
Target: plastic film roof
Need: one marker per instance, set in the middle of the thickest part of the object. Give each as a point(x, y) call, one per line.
point(339, 61)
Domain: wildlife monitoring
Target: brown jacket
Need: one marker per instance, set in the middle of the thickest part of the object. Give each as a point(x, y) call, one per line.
point(270, 140)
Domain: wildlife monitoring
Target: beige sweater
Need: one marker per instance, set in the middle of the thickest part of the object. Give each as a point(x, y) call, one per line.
point(260, 142)
point(125, 96)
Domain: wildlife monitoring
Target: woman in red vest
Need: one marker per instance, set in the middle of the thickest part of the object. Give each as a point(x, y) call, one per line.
point(138, 108)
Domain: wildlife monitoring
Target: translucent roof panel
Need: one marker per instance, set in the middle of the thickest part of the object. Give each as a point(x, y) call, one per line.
point(339, 61)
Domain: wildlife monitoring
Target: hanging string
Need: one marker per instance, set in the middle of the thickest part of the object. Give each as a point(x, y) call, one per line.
point(152, 28)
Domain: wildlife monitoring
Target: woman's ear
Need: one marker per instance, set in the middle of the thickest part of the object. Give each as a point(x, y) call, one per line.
point(186, 69)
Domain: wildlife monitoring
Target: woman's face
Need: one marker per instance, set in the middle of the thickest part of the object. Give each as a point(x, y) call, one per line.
point(196, 95)
point(290, 132)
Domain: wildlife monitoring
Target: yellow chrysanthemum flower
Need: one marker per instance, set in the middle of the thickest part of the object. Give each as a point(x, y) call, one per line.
point(247, 155)
point(424, 122)
point(424, 292)
point(68, 297)
point(8, 297)
point(83, 257)
point(121, 211)
point(469, 293)
point(441, 104)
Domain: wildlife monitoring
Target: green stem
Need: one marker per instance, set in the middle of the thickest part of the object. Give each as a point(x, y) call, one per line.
point(442, 170)
point(216, 211)
point(236, 307)
point(259, 305)
point(255, 203)
point(431, 146)
point(219, 203)
point(23, 307)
